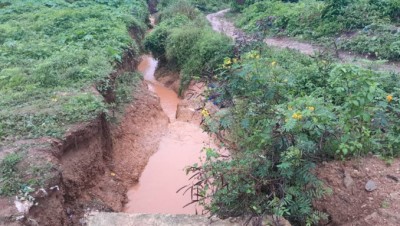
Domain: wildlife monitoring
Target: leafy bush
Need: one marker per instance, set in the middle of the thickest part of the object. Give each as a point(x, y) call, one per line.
point(378, 40)
point(286, 112)
point(156, 40)
point(184, 39)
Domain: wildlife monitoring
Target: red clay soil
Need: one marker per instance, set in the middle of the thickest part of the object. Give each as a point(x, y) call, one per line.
point(350, 204)
point(93, 166)
point(138, 136)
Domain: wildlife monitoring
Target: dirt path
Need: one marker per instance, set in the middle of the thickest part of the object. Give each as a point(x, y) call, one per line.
point(221, 24)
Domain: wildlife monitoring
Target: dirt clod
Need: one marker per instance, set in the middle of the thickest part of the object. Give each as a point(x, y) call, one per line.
point(348, 180)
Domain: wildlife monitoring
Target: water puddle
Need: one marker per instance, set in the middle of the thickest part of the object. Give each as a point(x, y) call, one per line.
point(164, 175)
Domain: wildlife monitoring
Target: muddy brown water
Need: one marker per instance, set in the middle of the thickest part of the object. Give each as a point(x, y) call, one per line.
point(180, 147)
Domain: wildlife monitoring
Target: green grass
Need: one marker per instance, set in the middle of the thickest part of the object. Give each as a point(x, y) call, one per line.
point(25, 169)
point(203, 5)
point(10, 178)
point(373, 25)
point(52, 54)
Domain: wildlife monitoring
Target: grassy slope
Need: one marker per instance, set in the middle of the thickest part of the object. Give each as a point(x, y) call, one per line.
point(52, 53)
point(373, 25)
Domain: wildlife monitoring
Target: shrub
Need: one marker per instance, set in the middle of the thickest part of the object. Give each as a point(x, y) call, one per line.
point(378, 40)
point(288, 111)
point(156, 40)
point(187, 43)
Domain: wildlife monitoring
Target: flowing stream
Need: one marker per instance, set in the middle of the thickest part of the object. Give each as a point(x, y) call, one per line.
point(179, 147)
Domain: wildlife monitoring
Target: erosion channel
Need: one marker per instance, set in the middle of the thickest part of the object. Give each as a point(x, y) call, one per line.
point(179, 147)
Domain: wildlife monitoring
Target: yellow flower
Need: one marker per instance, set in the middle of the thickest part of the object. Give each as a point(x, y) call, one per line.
point(227, 62)
point(205, 112)
point(54, 99)
point(311, 108)
point(389, 98)
point(290, 108)
point(297, 116)
point(273, 63)
point(235, 60)
point(254, 55)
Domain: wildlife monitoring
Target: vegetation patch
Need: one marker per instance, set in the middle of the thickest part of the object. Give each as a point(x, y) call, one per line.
point(282, 113)
point(51, 55)
point(374, 23)
point(203, 5)
point(10, 178)
point(184, 40)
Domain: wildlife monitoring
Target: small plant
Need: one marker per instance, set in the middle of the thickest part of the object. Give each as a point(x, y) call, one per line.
point(10, 181)
point(385, 204)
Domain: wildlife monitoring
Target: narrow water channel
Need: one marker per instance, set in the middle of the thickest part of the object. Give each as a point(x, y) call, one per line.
point(179, 147)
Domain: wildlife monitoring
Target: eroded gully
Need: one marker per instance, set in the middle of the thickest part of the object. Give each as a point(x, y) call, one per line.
point(180, 147)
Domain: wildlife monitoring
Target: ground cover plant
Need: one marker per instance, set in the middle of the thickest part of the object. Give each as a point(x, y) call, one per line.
point(183, 40)
point(365, 26)
point(282, 113)
point(203, 5)
point(53, 56)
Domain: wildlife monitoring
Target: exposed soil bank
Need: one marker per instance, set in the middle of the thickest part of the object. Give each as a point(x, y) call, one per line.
point(179, 147)
point(93, 165)
point(350, 204)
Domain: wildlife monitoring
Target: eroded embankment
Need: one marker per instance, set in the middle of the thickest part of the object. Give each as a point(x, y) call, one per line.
point(93, 165)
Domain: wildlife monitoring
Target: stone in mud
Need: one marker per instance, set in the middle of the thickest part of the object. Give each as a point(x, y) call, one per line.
point(370, 186)
point(274, 220)
point(187, 113)
point(347, 180)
